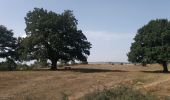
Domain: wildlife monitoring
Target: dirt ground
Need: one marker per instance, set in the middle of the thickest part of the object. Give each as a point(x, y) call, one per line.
point(80, 80)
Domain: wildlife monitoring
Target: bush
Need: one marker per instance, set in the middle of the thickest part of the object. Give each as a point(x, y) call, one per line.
point(3, 67)
point(84, 62)
point(119, 93)
point(23, 67)
point(40, 64)
point(61, 65)
point(9, 65)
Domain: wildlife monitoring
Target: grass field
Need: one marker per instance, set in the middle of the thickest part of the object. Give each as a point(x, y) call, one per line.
point(81, 80)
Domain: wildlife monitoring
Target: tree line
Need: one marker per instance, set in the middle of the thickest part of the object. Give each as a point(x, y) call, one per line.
point(52, 36)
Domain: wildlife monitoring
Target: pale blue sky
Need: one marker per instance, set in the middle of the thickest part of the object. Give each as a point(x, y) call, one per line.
point(109, 25)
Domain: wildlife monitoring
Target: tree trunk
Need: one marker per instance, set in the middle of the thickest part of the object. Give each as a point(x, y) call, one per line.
point(165, 67)
point(53, 64)
point(144, 64)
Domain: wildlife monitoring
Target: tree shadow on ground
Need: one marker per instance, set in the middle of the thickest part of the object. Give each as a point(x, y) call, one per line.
point(156, 71)
point(81, 70)
point(90, 70)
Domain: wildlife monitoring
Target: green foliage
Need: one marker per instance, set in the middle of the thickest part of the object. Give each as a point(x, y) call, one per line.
point(4, 66)
point(8, 44)
point(63, 63)
point(84, 62)
point(152, 44)
point(9, 65)
point(53, 36)
point(119, 93)
point(41, 64)
point(64, 96)
point(22, 67)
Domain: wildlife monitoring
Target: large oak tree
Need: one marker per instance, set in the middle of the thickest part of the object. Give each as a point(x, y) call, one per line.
point(52, 36)
point(152, 44)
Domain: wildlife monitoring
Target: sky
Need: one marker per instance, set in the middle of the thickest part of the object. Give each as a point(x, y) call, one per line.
point(110, 25)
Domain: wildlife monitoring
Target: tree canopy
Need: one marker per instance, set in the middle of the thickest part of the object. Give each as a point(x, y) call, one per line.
point(152, 44)
point(8, 45)
point(52, 36)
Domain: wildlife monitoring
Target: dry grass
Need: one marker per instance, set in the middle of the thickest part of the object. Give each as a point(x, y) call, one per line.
point(82, 79)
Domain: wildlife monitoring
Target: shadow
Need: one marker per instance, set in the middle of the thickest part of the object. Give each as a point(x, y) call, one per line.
point(90, 70)
point(41, 69)
point(157, 71)
point(81, 70)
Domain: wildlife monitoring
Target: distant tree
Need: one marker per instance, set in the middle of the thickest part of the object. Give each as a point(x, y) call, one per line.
point(54, 36)
point(152, 44)
point(8, 44)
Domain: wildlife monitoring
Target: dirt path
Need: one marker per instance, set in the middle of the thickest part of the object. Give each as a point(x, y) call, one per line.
point(153, 84)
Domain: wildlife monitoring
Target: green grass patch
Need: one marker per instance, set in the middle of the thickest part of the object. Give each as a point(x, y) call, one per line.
point(119, 93)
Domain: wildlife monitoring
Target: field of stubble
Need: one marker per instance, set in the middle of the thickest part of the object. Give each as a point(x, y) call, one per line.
point(80, 80)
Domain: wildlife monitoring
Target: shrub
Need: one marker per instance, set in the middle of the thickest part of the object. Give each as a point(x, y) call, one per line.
point(64, 96)
point(3, 67)
point(22, 67)
point(119, 93)
point(9, 65)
